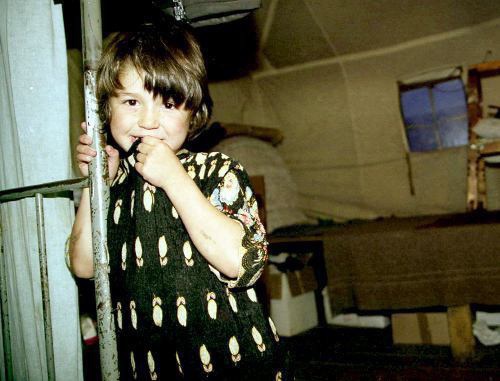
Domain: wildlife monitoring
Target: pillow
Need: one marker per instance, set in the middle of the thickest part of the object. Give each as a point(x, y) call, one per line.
point(488, 128)
point(261, 158)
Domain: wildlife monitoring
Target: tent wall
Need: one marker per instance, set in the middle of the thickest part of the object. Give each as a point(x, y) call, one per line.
point(344, 134)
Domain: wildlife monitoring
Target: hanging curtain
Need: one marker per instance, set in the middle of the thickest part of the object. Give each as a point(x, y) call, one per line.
point(34, 149)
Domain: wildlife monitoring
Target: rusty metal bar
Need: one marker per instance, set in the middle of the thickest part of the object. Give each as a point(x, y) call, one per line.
point(16, 194)
point(45, 189)
point(99, 189)
point(44, 279)
point(5, 313)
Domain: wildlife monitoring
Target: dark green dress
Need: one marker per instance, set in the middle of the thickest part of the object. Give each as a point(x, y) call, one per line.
point(178, 318)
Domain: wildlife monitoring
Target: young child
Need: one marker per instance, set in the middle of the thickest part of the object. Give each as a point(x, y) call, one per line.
point(184, 237)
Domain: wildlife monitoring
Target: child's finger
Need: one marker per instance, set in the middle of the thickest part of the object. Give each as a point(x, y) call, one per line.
point(83, 125)
point(149, 140)
point(141, 157)
point(85, 139)
point(113, 160)
point(138, 167)
point(82, 158)
point(111, 151)
point(86, 150)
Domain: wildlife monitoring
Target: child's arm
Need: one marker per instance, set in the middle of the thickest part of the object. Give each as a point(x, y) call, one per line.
point(80, 248)
point(216, 236)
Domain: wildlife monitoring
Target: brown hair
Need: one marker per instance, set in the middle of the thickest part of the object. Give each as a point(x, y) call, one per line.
point(173, 67)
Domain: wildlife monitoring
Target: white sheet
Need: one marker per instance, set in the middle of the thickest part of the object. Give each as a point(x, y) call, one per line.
point(35, 149)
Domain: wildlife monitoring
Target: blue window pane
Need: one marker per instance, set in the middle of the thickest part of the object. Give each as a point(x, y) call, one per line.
point(416, 105)
point(435, 109)
point(422, 139)
point(453, 133)
point(449, 98)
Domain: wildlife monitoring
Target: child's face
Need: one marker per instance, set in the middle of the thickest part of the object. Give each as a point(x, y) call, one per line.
point(135, 113)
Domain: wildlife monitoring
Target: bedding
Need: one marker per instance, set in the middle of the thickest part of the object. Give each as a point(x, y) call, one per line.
point(401, 263)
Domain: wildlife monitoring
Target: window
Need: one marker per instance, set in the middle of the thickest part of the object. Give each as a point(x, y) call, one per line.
point(434, 114)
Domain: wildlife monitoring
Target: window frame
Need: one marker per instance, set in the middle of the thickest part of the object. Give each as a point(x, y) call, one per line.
point(436, 125)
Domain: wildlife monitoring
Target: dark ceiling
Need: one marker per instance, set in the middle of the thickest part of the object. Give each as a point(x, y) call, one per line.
point(230, 49)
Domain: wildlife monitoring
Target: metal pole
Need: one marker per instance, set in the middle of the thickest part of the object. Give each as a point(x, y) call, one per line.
point(14, 195)
point(7, 353)
point(44, 279)
point(99, 189)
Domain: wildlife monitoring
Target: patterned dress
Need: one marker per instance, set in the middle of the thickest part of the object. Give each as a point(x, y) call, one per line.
point(176, 316)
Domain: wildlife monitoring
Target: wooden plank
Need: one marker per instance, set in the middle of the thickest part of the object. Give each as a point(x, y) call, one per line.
point(460, 328)
point(486, 69)
point(490, 148)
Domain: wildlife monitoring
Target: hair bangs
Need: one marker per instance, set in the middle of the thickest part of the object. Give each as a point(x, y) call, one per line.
point(169, 83)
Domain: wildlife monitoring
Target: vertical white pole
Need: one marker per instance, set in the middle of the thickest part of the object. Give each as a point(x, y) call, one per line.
point(99, 189)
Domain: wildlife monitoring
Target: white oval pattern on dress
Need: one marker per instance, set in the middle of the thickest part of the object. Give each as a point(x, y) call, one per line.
point(138, 252)
point(191, 172)
point(133, 314)
point(234, 348)
point(201, 158)
point(148, 197)
point(181, 311)
point(188, 253)
point(201, 174)
point(122, 177)
point(212, 167)
point(119, 319)
point(117, 212)
point(273, 328)
point(151, 365)
point(224, 168)
point(124, 256)
point(162, 250)
point(132, 200)
point(179, 363)
point(174, 213)
point(157, 311)
point(211, 305)
point(232, 300)
point(131, 160)
point(205, 359)
point(257, 337)
point(132, 364)
point(252, 295)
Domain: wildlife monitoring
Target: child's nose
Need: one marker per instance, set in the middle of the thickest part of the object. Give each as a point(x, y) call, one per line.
point(149, 118)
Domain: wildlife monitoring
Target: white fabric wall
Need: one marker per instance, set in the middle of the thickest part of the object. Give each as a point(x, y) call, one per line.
point(344, 135)
point(35, 149)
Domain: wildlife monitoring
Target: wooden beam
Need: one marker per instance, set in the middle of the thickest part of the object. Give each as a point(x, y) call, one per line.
point(486, 69)
point(460, 328)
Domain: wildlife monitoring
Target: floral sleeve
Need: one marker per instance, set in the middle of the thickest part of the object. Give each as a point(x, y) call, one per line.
point(234, 197)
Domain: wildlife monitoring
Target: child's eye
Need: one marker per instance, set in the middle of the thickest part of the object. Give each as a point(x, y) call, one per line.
point(169, 105)
point(130, 102)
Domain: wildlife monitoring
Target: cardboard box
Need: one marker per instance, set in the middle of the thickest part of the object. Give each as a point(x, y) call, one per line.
point(420, 328)
point(292, 314)
point(299, 282)
point(302, 281)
